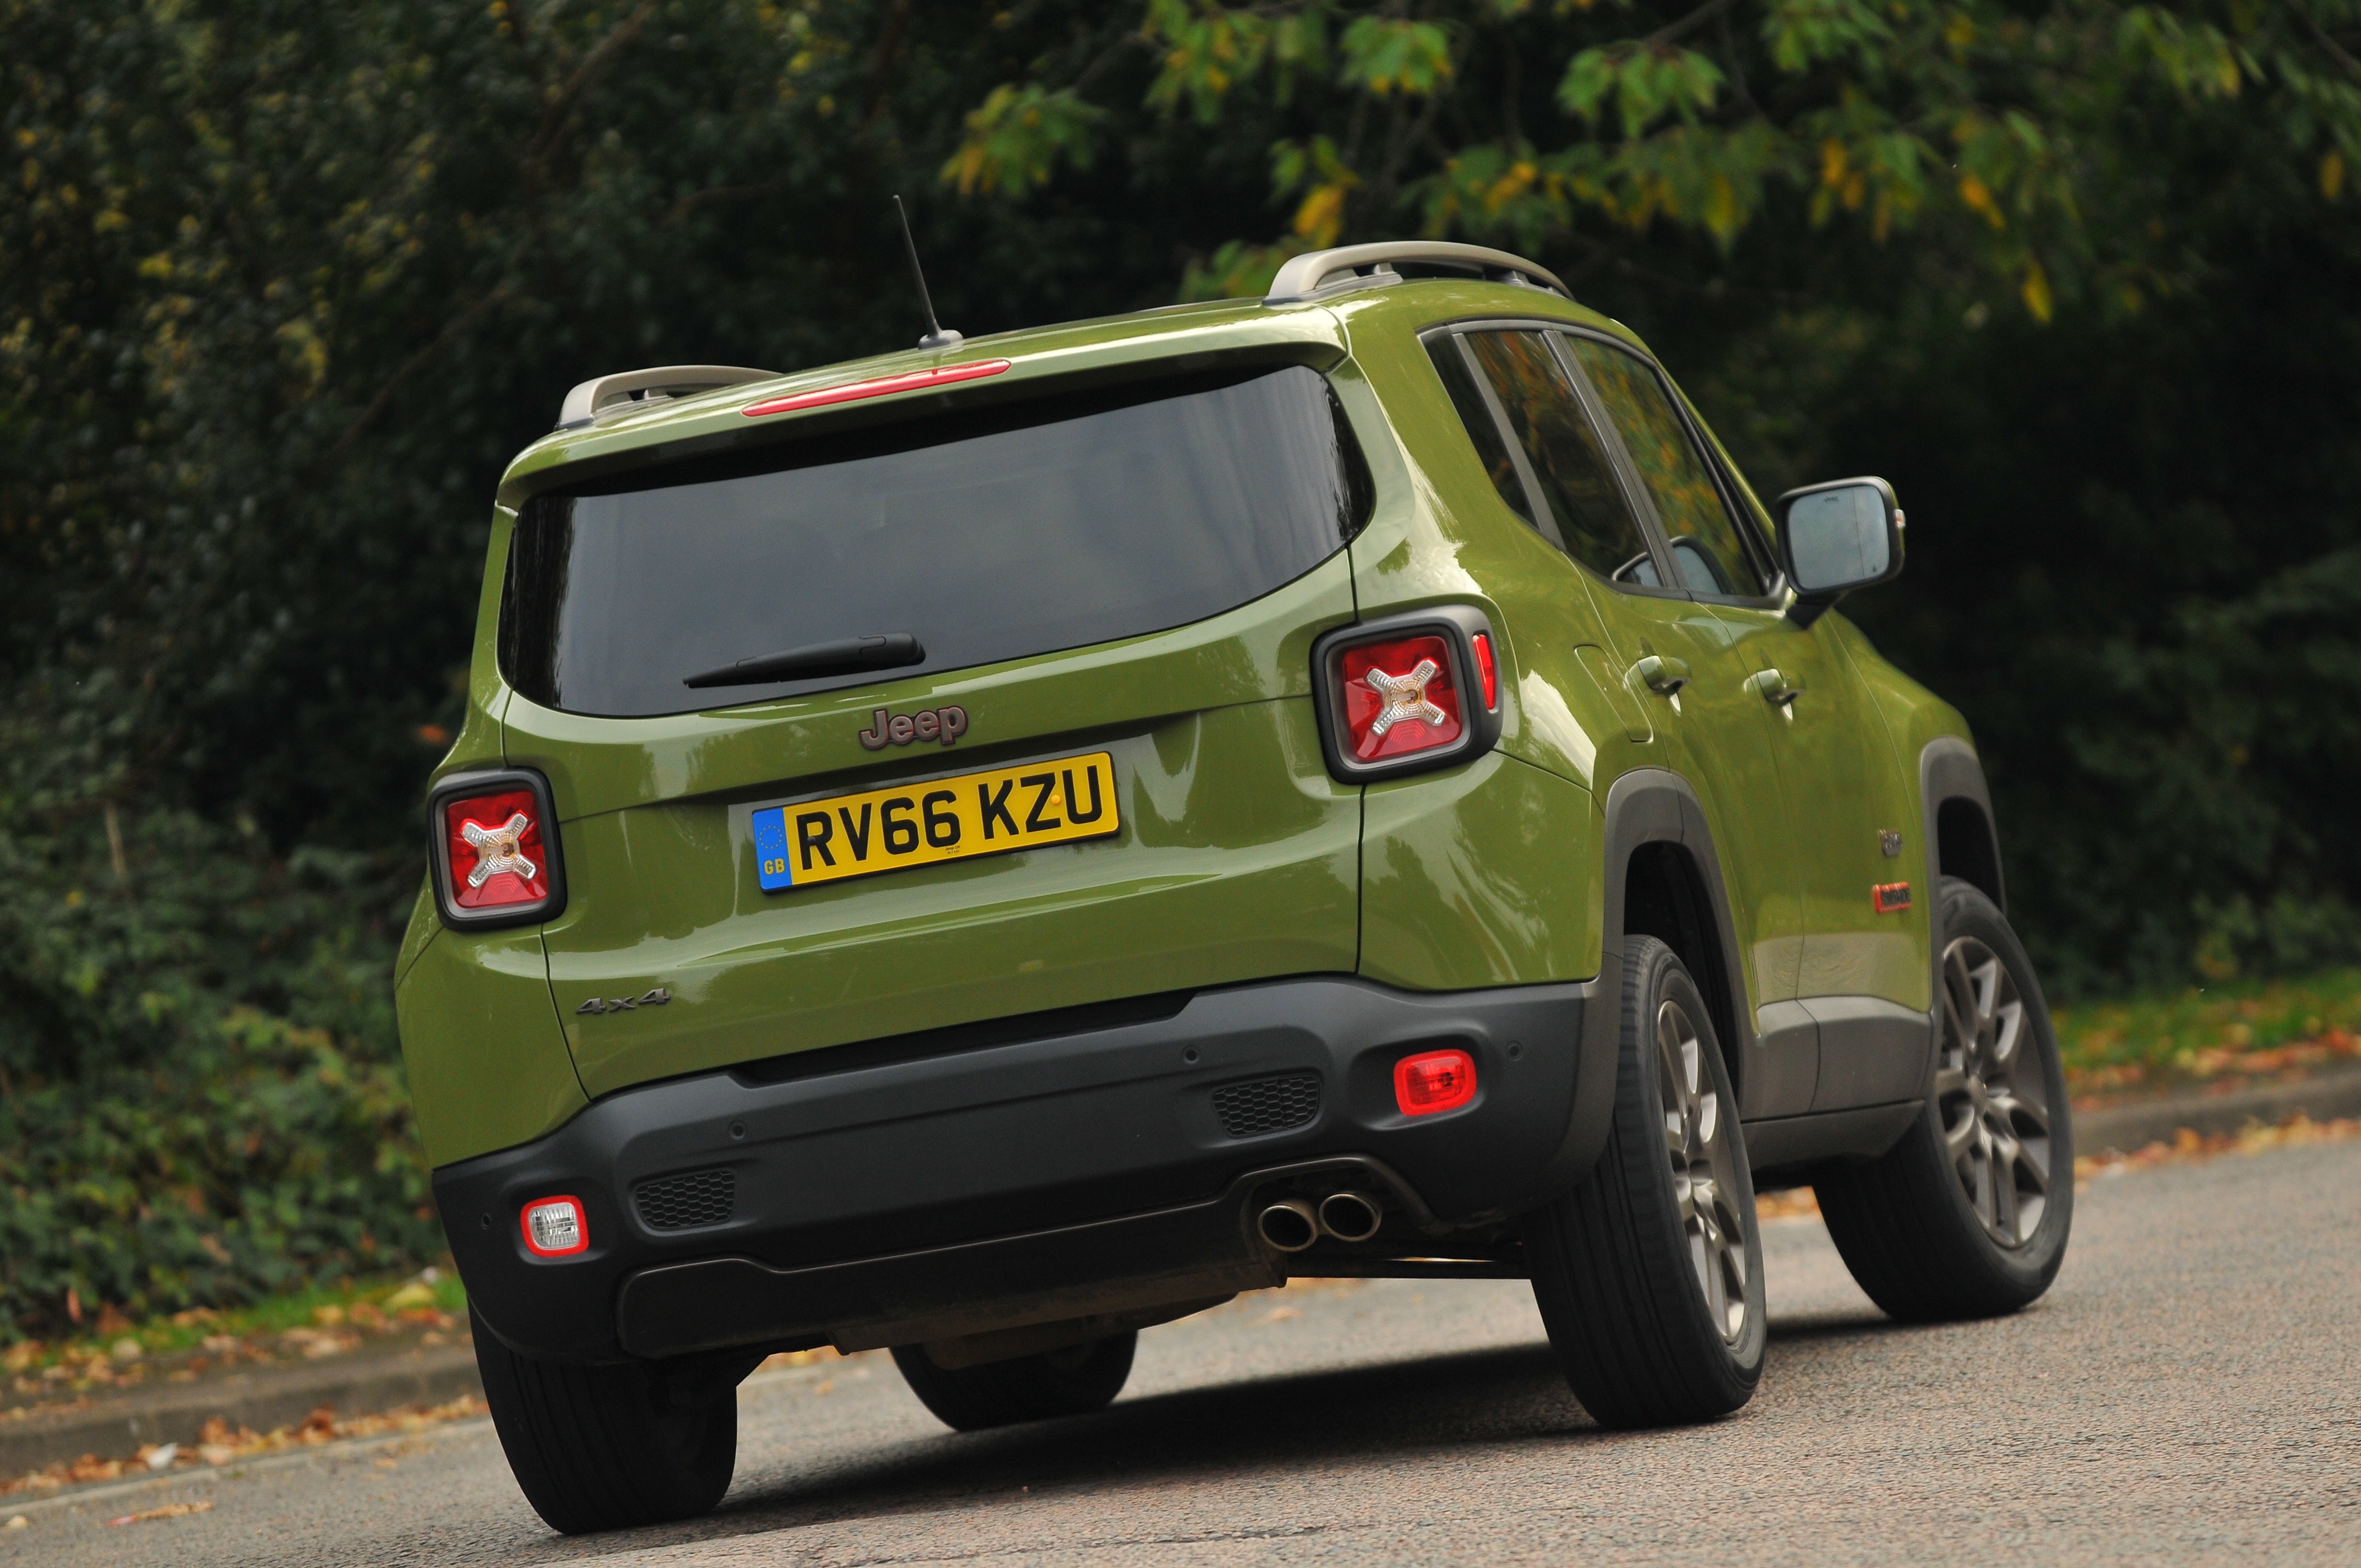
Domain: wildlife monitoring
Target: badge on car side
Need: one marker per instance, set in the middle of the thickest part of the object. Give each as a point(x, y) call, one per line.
point(654, 996)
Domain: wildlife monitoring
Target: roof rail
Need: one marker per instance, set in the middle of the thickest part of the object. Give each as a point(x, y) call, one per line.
point(1306, 274)
point(583, 403)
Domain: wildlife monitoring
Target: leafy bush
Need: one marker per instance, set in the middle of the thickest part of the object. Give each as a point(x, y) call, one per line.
point(201, 1097)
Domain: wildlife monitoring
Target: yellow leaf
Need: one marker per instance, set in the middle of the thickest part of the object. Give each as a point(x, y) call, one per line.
point(1979, 198)
point(1322, 215)
point(2035, 291)
point(1833, 163)
point(2332, 175)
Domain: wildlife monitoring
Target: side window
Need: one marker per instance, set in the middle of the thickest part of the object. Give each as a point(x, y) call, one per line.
point(1708, 550)
point(1578, 482)
point(1482, 428)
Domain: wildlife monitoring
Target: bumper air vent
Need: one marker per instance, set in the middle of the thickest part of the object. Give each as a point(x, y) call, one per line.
point(1268, 1104)
point(685, 1201)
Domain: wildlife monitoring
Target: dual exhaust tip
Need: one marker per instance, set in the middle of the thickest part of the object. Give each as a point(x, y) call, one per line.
point(1290, 1224)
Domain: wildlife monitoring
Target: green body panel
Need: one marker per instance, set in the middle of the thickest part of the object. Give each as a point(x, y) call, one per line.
point(1239, 857)
point(1236, 860)
point(486, 1061)
point(1480, 875)
point(1843, 785)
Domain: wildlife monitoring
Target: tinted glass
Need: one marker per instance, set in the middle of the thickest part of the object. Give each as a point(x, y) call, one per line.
point(1451, 364)
point(1708, 550)
point(1576, 481)
point(988, 536)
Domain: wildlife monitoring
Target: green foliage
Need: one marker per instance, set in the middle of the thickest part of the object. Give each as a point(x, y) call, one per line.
point(202, 1096)
point(2203, 1033)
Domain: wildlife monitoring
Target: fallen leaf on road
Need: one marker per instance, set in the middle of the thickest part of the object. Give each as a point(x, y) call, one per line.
point(2188, 1145)
point(1794, 1204)
point(169, 1511)
point(219, 1443)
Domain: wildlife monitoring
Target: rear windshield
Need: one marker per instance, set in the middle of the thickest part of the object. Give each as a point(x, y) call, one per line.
point(988, 535)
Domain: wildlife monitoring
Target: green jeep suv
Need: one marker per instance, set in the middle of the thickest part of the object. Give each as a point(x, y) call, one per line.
point(988, 849)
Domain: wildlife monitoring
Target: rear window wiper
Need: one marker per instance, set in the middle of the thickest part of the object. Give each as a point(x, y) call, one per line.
point(844, 656)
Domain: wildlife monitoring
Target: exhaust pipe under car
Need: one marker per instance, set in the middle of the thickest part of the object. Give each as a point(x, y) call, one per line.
point(1350, 1216)
point(1288, 1225)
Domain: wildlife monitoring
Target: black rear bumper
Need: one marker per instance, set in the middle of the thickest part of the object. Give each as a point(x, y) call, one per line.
point(902, 1197)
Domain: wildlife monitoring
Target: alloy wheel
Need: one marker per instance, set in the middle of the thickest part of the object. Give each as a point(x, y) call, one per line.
point(1705, 1170)
point(1993, 1094)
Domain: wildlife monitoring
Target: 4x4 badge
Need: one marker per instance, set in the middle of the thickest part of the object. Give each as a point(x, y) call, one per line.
point(656, 996)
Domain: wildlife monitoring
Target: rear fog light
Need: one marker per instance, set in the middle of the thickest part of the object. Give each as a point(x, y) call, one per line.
point(1400, 698)
point(1433, 1081)
point(553, 1227)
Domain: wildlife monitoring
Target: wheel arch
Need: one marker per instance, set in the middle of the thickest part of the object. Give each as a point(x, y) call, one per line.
point(1664, 880)
point(1961, 840)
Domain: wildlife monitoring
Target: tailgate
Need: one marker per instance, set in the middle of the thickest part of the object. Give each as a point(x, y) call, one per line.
point(1222, 852)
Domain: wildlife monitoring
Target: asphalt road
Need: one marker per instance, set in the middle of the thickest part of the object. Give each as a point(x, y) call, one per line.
point(2190, 1392)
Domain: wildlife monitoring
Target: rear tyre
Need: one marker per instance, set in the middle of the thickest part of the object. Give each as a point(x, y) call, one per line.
point(1069, 1382)
point(1649, 1276)
point(603, 1447)
point(1967, 1216)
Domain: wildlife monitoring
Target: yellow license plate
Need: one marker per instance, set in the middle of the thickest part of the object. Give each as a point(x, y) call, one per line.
point(943, 819)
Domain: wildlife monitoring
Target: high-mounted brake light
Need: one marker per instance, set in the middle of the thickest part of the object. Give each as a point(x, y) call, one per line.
point(1486, 671)
point(1400, 698)
point(1432, 1081)
point(555, 1227)
point(493, 851)
point(883, 385)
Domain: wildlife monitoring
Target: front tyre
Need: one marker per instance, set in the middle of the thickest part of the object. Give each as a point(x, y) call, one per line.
point(604, 1447)
point(1967, 1216)
point(1073, 1381)
point(1649, 1276)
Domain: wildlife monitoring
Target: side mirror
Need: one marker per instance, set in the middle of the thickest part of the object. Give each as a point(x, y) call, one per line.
point(1837, 537)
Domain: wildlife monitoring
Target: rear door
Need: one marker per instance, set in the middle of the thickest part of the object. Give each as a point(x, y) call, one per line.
point(1592, 499)
point(1100, 778)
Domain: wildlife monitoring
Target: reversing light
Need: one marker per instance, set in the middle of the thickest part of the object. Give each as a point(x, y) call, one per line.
point(882, 385)
point(1432, 1081)
point(1486, 671)
point(1400, 698)
point(555, 1227)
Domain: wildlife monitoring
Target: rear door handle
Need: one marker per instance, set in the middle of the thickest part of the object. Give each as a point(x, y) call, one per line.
point(1778, 689)
point(1663, 677)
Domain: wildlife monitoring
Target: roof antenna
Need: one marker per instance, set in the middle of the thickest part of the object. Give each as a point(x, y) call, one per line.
point(936, 336)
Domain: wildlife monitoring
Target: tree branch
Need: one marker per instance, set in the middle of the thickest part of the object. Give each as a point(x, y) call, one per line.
point(626, 30)
point(411, 367)
point(1685, 25)
point(2321, 37)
